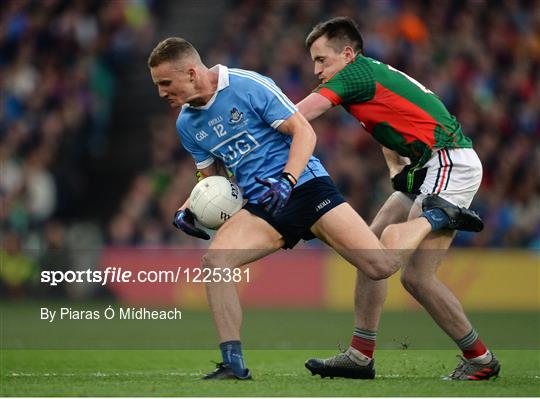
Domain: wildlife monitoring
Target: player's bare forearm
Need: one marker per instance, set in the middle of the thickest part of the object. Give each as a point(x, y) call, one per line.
point(394, 161)
point(314, 106)
point(303, 143)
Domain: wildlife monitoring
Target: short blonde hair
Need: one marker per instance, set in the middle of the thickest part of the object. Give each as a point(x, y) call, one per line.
point(171, 49)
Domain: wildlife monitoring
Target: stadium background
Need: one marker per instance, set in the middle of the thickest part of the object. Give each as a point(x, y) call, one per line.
point(92, 170)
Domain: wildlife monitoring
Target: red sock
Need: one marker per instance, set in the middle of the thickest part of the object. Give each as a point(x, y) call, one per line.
point(476, 349)
point(363, 345)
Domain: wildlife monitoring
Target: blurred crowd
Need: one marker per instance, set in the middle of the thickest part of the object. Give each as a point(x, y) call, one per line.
point(59, 61)
point(482, 59)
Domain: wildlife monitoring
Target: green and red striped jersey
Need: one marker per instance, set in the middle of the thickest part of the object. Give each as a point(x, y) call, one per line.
point(398, 111)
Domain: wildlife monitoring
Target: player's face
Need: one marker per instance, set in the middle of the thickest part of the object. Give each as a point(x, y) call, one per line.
point(327, 60)
point(175, 84)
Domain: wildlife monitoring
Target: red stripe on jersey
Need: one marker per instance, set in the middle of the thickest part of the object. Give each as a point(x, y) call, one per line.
point(445, 169)
point(331, 96)
point(407, 118)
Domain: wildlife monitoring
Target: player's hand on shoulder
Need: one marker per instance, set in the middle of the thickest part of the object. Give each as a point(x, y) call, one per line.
point(409, 179)
point(278, 192)
point(184, 220)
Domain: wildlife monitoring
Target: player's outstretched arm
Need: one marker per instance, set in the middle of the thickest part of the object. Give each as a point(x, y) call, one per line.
point(314, 106)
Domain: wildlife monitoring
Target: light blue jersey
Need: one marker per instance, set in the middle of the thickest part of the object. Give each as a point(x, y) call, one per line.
point(238, 125)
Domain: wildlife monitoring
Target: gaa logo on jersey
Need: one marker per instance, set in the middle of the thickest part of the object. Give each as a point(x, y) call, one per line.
point(201, 135)
point(236, 116)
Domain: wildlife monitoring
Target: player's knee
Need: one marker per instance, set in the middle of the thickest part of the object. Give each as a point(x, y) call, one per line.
point(380, 268)
point(207, 260)
point(390, 234)
point(411, 281)
point(213, 259)
point(381, 275)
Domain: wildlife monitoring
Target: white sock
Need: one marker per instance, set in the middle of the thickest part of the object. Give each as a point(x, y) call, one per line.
point(482, 359)
point(357, 356)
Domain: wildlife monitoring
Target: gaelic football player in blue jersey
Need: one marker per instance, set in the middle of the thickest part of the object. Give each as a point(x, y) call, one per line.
point(243, 120)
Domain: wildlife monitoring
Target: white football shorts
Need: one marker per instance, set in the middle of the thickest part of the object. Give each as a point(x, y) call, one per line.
point(453, 173)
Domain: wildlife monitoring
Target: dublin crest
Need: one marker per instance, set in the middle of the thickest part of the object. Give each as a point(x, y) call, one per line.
point(236, 116)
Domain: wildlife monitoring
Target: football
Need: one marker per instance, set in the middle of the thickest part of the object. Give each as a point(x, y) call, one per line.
point(214, 200)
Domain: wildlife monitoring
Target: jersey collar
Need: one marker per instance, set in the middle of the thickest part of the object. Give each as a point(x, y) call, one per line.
point(223, 82)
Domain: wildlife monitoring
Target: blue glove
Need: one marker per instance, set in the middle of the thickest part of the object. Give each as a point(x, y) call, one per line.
point(185, 221)
point(277, 195)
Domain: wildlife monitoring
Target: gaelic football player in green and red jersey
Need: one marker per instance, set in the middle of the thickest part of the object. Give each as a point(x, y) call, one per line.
point(427, 153)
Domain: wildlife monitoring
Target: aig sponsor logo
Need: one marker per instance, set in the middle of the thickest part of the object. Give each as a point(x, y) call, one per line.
point(234, 149)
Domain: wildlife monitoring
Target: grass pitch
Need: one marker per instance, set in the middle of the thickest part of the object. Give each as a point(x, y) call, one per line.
point(276, 373)
point(153, 358)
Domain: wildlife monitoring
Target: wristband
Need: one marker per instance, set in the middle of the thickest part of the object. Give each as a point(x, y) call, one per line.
point(290, 178)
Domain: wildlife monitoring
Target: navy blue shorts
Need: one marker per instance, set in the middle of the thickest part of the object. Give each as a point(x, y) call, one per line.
point(306, 205)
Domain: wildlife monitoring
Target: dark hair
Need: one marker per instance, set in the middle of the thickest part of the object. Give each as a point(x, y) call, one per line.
point(172, 48)
point(340, 32)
